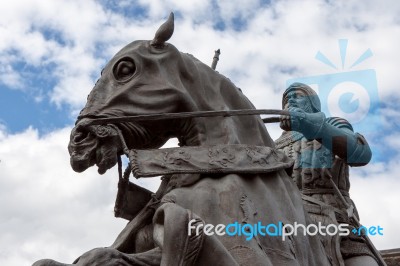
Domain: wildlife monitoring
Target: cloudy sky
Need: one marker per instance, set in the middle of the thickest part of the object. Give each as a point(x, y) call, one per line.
point(52, 52)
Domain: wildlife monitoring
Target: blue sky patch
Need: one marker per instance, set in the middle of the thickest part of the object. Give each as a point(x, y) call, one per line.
point(30, 105)
point(19, 110)
point(126, 8)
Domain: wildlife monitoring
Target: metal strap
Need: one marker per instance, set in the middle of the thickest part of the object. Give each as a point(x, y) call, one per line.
point(168, 116)
point(310, 191)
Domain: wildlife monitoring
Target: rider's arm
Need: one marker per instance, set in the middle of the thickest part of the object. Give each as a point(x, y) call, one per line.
point(336, 134)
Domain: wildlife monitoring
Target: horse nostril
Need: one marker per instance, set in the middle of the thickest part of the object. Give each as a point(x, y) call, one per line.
point(79, 137)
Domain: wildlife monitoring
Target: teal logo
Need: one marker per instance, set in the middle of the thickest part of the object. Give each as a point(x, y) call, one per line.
point(347, 93)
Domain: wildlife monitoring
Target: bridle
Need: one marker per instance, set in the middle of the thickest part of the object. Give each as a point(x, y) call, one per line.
point(112, 121)
point(183, 115)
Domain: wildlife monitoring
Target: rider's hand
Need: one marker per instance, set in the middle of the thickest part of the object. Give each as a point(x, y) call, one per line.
point(292, 122)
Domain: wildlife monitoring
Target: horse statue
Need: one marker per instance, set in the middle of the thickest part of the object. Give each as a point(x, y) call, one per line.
point(226, 170)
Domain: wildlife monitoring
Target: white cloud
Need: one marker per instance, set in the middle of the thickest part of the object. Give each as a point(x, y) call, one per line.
point(9, 77)
point(47, 209)
point(376, 196)
point(285, 34)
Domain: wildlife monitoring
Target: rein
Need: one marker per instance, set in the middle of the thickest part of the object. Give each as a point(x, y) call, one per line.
point(183, 115)
point(166, 116)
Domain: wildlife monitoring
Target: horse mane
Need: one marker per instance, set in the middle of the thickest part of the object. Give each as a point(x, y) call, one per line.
point(220, 93)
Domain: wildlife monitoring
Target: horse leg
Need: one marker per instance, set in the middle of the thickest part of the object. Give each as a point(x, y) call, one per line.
point(360, 261)
point(110, 257)
point(181, 247)
point(49, 262)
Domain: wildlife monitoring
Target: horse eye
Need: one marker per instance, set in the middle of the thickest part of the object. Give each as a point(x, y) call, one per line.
point(124, 69)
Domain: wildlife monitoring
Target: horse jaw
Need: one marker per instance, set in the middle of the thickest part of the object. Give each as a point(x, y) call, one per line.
point(82, 149)
point(98, 145)
point(101, 145)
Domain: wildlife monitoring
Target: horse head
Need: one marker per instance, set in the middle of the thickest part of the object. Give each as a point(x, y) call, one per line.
point(148, 77)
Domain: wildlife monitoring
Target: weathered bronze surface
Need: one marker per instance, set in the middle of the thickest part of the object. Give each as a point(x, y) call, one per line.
point(391, 256)
point(209, 184)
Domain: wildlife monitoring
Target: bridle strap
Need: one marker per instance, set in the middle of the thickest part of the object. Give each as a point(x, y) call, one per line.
point(126, 152)
point(183, 115)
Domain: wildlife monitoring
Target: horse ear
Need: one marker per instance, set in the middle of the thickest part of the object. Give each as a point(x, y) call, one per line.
point(164, 32)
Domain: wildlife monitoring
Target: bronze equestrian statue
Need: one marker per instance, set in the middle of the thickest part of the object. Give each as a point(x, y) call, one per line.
point(226, 170)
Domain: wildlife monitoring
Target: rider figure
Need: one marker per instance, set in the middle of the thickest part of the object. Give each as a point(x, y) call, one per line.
point(323, 149)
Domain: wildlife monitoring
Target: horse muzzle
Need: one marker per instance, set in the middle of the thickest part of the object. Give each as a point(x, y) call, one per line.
point(82, 148)
point(93, 144)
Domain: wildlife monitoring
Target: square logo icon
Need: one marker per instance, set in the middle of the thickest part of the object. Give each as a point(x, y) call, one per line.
point(350, 95)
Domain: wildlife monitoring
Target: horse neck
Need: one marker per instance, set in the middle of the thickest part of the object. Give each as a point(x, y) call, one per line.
point(225, 130)
point(228, 130)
